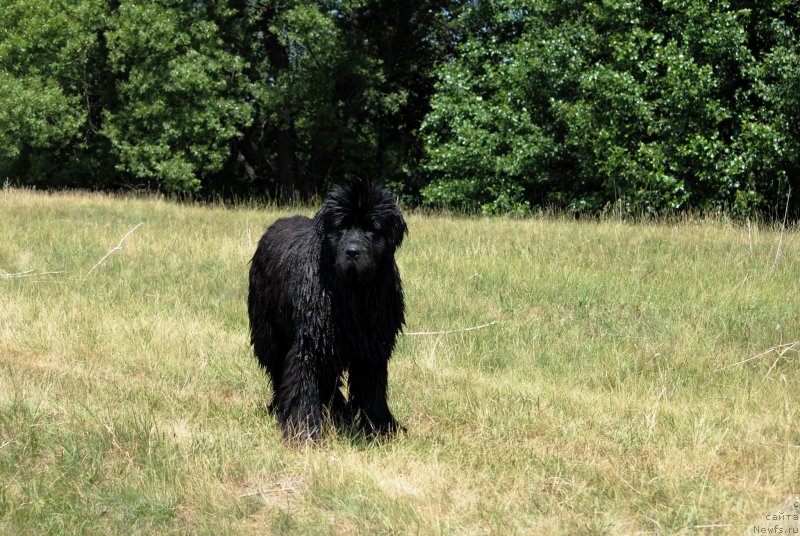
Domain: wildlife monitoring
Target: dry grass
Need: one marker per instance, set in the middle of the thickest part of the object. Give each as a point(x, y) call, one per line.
point(598, 403)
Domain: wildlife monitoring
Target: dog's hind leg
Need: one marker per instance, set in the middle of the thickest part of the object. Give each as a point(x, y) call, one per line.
point(270, 357)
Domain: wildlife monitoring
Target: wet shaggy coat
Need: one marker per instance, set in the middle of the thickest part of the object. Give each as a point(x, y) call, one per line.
point(325, 297)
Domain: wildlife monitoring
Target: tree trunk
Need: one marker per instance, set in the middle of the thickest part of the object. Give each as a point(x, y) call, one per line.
point(285, 139)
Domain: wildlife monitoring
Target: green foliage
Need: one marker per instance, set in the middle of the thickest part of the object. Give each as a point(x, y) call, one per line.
point(482, 106)
point(650, 108)
point(48, 83)
point(34, 112)
point(182, 93)
point(340, 90)
point(304, 66)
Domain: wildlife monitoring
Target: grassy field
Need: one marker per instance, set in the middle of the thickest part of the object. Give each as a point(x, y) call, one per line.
point(607, 398)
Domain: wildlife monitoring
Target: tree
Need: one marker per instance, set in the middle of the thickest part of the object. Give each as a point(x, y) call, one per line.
point(52, 86)
point(493, 106)
point(645, 106)
point(340, 90)
point(183, 95)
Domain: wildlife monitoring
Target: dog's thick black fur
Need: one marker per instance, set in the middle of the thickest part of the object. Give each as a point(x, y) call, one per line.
point(325, 298)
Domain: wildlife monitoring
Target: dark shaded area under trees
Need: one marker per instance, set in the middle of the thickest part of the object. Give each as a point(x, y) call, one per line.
point(493, 106)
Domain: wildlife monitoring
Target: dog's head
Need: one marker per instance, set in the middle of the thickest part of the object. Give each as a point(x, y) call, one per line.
point(360, 226)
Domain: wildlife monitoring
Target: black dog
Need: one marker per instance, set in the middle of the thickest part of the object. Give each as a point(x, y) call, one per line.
point(325, 298)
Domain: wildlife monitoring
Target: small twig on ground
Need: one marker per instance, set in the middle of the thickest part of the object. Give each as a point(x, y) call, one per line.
point(636, 491)
point(782, 349)
point(115, 248)
point(772, 366)
point(27, 273)
point(779, 251)
point(473, 328)
point(5, 444)
point(281, 488)
point(768, 443)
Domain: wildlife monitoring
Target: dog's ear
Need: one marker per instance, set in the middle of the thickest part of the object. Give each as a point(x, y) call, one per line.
point(319, 221)
point(397, 228)
point(331, 212)
point(387, 210)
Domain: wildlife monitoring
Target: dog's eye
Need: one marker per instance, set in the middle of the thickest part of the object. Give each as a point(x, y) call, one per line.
point(373, 225)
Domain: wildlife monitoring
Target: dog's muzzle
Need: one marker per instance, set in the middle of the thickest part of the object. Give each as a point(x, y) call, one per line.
point(354, 262)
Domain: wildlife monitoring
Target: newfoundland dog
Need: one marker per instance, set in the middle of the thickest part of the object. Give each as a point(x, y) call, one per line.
point(325, 299)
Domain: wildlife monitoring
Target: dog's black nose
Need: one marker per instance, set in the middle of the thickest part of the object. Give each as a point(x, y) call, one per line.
point(352, 252)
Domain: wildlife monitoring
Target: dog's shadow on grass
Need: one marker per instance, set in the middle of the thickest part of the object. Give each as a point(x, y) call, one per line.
point(352, 433)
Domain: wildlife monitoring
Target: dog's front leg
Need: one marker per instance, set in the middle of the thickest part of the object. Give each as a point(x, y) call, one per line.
point(298, 405)
point(368, 389)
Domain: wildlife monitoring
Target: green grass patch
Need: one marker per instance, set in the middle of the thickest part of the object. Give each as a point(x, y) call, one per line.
point(602, 400)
